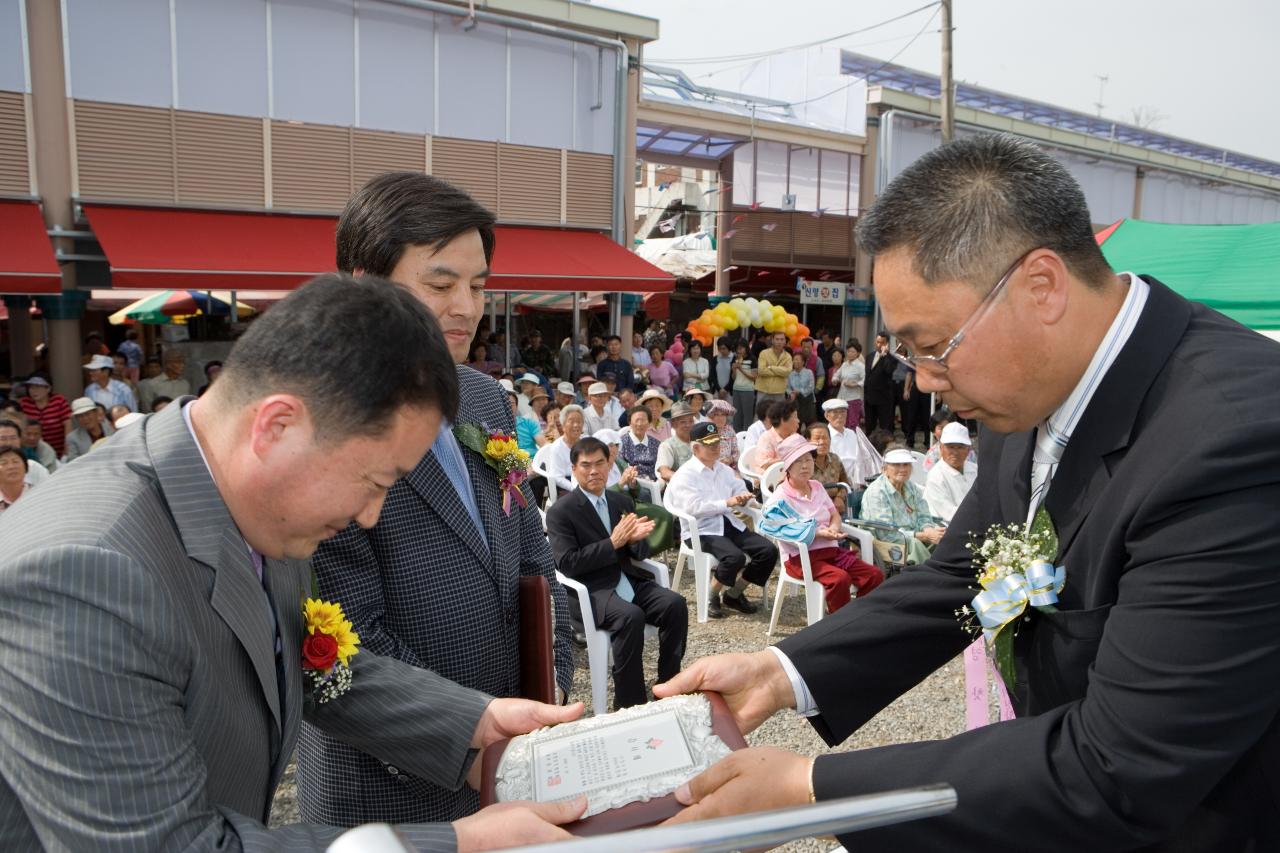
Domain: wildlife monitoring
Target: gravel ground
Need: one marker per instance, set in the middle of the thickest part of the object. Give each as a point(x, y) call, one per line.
point(933, 710)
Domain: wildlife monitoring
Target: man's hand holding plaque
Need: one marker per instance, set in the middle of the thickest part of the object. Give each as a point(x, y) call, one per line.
point(626, 764)
point(753, 686)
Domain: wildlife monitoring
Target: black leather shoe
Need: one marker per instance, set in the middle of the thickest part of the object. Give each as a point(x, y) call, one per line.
point(739, 603)
point(714, 610)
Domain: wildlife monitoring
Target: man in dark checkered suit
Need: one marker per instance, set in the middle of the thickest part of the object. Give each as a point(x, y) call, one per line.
point(435, 583)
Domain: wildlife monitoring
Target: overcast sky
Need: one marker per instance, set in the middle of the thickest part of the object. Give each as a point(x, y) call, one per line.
point(1210, 71)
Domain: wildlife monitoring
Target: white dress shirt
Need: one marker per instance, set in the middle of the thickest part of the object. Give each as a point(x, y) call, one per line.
point(703, 492)
point(946, 487)
point(592, 423)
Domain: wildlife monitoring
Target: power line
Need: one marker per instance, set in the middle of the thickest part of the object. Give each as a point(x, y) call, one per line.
point(858, 46)
point(701, 60)
point(868, 75)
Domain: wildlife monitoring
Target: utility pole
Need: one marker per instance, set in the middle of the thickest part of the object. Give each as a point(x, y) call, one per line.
point(948, 92)
point(1102, 84)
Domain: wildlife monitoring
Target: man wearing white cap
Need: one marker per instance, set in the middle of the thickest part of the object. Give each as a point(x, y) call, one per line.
point(850, 444)
point(951, 480)
point(599, 413)
point(566, 394)
point(105, 390)
point(91, 426)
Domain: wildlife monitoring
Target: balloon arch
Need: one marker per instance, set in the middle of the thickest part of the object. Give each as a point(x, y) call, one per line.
point(742, 313)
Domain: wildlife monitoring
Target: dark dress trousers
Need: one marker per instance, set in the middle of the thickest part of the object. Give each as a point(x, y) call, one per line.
point(1147, 704)
point(584, 552)
point(877, 391)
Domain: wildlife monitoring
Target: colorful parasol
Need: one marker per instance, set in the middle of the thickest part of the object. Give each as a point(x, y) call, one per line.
point(175, 306)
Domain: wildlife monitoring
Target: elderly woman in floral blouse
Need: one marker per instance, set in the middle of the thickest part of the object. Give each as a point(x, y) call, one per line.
point(893, 499)
point(719, 413)
point(637, 447)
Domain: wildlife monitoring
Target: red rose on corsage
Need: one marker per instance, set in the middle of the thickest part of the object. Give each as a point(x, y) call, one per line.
point(328, 644)
point(319, 651)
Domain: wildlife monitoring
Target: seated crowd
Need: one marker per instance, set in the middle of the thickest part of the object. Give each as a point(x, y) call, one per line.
point(701, 430)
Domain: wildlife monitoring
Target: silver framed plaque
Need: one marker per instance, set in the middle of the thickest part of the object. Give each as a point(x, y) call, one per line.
point(633, 755)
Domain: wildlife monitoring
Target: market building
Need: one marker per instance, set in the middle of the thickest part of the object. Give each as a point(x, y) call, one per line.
point(183, 144)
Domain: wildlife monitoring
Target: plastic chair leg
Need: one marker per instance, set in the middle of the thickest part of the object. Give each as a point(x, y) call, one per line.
point(675, 581)
point(598, 664)
point(702, 588)
point(813, 601)
point(777, 605)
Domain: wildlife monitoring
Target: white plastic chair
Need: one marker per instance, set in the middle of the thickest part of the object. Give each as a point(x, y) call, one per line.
point(815, 603)
point(769, 480)
point(654, 488)
point(538, 465)
point(599, 656)
point(742, 438)
point(814, 599)
point(747, 467)
point(700, 561)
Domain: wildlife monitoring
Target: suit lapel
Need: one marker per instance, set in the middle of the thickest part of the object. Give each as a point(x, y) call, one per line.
point(1107, 426)
point(432, 484)
point(288, 581)
point(210, 536)
point(1015, 470)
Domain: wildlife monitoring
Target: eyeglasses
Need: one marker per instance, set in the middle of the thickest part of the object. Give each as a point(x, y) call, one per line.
point(937, 364)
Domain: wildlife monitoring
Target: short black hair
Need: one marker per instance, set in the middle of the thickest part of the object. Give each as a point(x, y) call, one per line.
point(585, 447)
point(631, 413)
point(398, 209)
point(617, 338)
point(762, 409)
point(967, 210)
point(942, 416)
point(781, 410)
point(26, 466)
point(854, 344)
point(402, 359)
point(6, 423)
point(155, 401)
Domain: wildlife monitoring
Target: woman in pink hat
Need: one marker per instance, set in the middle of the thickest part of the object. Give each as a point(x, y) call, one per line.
point(834, 567)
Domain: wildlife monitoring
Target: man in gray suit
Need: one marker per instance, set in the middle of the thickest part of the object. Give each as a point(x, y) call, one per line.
point(151, 625)
point(435, 582)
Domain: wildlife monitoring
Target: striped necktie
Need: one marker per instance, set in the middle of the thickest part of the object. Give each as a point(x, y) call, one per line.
point(1044, 462)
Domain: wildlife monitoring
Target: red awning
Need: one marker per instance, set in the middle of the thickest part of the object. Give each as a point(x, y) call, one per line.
point(216, 250)
point(211, 250)
point(530, 259)
point(26, 256)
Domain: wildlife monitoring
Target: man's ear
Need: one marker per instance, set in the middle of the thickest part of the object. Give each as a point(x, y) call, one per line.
point(1048, 284)
point(280, 421)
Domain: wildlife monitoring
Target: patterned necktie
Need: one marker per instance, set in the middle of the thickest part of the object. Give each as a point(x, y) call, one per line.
point(1044, 462)
point(624, 588)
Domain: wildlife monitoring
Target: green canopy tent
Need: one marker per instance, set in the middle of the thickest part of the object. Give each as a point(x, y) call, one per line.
point(1234, 269)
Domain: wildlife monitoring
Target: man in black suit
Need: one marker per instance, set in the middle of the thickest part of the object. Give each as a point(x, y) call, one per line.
point(877, 390)
point(1147, 701)
point(600, 554)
